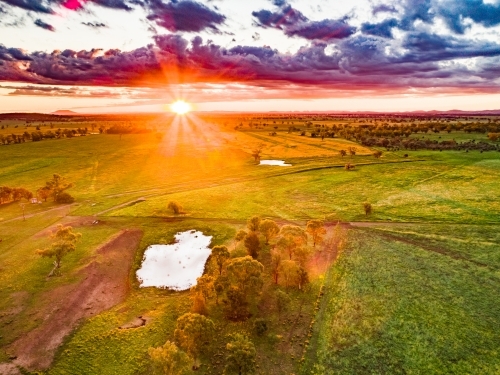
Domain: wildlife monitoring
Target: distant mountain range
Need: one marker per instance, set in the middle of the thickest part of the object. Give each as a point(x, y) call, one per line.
point(64, 112)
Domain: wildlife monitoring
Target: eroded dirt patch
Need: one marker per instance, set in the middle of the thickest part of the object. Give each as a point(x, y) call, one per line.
point(105, 283)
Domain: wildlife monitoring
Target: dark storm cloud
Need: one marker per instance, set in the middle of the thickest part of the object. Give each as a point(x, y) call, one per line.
point(44, 25)
point(455, 12)
point(37, 6)
point(358, 63)
point(294, 23)
point(186, 15)
point(383, 29)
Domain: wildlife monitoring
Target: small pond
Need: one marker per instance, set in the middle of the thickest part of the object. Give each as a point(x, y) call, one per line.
point(175, 266)
point(279, 163)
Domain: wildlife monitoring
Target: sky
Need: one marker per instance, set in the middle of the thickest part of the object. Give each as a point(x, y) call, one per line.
point(260, 55)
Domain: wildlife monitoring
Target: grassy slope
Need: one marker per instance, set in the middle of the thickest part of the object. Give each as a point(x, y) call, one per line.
point(393, 307)
point(448, 187)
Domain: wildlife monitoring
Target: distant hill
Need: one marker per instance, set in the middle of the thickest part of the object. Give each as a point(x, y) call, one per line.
point(64, 112)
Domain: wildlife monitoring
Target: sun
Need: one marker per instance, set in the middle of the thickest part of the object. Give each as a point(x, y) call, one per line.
point(180, 107)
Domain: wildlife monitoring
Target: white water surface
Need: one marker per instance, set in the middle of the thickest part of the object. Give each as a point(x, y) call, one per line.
point(279, 163)
point(175, 266)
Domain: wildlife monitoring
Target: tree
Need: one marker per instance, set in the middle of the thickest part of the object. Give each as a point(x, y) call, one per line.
point(289, 270)
point(349, 167)
point(368, 208)
point(240, 235)
point(243, 283)
point(269, 229)
point(302, 277)
point(352, 150)
point(316, 228)
point(44, 193)
point(275, 265)
point(219, 256)
point(343, 153)
point(5, 193)
point(193, 333)
point(253, 224)
point(377, 154)
point(175, 207)
point(256, 152)
point(252, 244)
point(241, 356)
point(57, 185)
point(19, 193)
point(64, 242)
point(282, 302)
point(200, 292)
point(246, 274)
point(291, 237)
point(169, 360)
point(236, 304)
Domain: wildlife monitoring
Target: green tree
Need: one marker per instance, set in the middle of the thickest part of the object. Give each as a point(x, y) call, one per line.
point(193, 333)
point(368, 208)
point(64, 242)
point(175, 207)
point(269, 229)
point(5, 194)
point(219, 256)
point(57, 185)
point(253, 224)
point(241, 356)
point(275, 265)
point(283, 301)
point(291, 238)
point(252, 244)
point(19, 193)
point(246, 274)
point(203, 290)
point(240, 235)
point(44, 193)
point(236, 304)
point(289, 271)
point(169, 360)
point(316, 228)
point(302, 278)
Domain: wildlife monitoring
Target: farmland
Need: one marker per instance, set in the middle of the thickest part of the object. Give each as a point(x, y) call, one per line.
point(409, 288)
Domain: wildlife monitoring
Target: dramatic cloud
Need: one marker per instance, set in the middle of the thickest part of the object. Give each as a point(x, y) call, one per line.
point(186, 15)
point(37, 6)
point(383, 29)
point(383, 8)
point(44, 25)
point(60, 92)
point(294, 23)
point(456, 12)
point(359, 63)
point(47, 7)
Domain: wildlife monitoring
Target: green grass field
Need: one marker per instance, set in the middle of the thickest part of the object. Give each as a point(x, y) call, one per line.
point(415, 290)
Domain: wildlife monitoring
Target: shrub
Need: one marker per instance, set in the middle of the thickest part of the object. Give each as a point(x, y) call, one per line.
point(260, 326)
point(175, 207)
point(64, 198)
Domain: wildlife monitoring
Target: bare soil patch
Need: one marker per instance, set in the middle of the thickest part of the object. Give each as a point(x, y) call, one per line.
point(105, 283)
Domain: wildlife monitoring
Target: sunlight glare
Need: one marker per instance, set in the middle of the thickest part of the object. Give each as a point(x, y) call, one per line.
point(180, 107)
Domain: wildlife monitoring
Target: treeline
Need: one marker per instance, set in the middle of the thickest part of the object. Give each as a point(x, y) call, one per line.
point(55, 188)
point(398, 143)
point(39, 135)
point(9, 194)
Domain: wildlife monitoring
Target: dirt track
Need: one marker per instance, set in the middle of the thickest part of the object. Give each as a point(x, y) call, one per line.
point(104, 285)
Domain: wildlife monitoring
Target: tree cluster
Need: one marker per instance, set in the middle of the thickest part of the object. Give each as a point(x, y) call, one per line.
point(8, 194)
